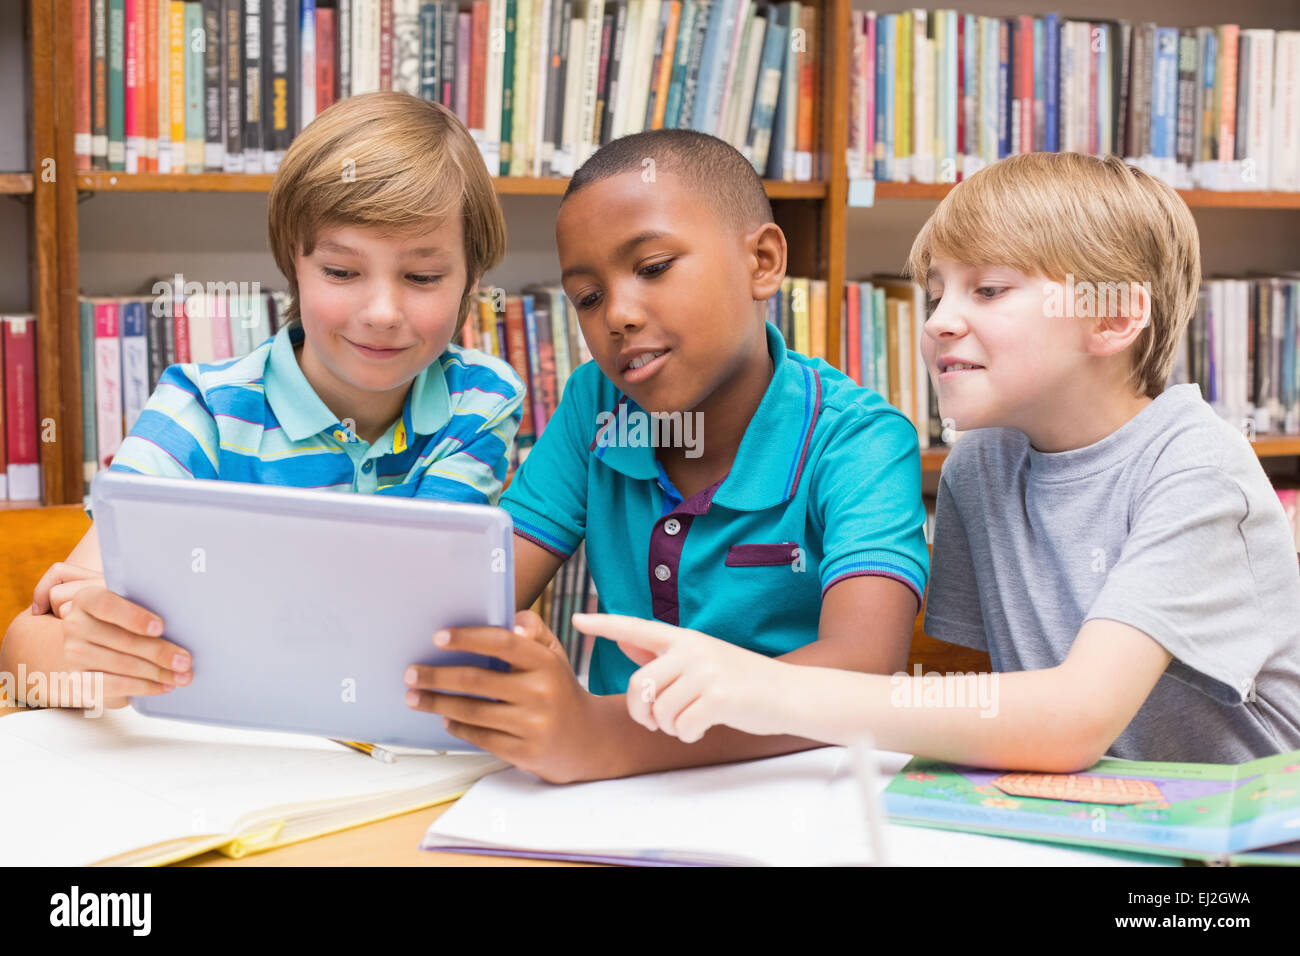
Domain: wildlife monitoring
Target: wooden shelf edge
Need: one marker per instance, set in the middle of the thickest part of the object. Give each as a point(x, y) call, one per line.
point(16, 184)
point(102, 181)
point(1197, 198)
point(1266, 446)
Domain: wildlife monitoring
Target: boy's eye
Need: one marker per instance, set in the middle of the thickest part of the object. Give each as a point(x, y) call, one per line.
point(933, 300)
point(993, 291)
point(337, 273)
point(586, 301)
point(423, 279)
point(656, 268)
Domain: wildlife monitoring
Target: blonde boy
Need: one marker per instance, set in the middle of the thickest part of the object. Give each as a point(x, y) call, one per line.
point(1112, 543)
point(383, 219)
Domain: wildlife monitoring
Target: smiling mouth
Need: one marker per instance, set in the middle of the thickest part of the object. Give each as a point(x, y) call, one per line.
point(375, 352)
point(643, 366)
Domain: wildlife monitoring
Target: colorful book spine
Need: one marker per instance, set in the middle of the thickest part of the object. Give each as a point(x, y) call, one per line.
point(135, 360)
point(108, 381)
point(19, 415)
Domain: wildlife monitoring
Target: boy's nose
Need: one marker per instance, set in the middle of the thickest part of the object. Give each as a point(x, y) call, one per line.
point(382, 310)
point(945, 319)
point(623, 314)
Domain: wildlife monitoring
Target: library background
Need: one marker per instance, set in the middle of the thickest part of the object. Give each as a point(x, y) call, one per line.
point(141, 137)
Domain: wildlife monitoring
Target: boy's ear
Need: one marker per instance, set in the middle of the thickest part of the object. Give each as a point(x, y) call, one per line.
point(767, 254)
point(1120, 319)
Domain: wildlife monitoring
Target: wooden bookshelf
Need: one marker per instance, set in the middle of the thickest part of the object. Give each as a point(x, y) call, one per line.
point(813, 214)
point(1208, 198)
point(101, 181)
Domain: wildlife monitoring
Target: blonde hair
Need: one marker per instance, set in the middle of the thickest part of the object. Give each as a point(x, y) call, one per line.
point(389, 161)
point(1097, 219)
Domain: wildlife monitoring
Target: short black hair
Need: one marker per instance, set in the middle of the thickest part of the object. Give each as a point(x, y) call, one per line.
point(711, 165)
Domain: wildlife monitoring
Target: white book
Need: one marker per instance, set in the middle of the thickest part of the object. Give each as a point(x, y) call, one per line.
point(1258, 151)
point(307, 70)
point(734, 51)
point(365, 46)
point(496, 53)
point(108, 391)
point(406, 46)
point(646, 35)
point(620, 124)
point(1286, 112)
point(543, 149)
point(145, 790)
point(586, 144)
point(200, 320)
point(565, 159)
point(135, 373)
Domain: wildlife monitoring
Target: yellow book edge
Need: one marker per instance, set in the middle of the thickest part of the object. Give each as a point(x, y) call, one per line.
point(263, 834)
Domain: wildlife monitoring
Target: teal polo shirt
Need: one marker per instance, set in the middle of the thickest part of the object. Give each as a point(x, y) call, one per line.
point(826, 485)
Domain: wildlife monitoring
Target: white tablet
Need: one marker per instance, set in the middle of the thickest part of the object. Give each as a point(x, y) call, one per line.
point(302, 609)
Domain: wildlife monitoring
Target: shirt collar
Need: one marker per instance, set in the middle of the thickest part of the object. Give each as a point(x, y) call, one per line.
point(301, 413)
point(772, 452)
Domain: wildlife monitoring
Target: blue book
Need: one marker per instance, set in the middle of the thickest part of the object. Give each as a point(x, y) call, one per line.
point(1004, 89)
point(784, 114)
point(759, 140)
point(713, 66)
point(534, 366)
point(866, 334)
point(1164, 94)
point(135, 360)
point(1040, 86)
point(681, 60)
point(430, 46)
point(1052, 86)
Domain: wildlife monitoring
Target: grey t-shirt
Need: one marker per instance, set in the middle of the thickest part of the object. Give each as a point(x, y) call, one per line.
point(1169, 525)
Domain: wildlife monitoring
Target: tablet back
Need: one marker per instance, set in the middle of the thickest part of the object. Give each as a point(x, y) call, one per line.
point(302, 609)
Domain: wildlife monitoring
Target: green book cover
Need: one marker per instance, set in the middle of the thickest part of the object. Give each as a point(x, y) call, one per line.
point(508, 87)
point(1248, 813)
point(194, 53)
point(116, 84)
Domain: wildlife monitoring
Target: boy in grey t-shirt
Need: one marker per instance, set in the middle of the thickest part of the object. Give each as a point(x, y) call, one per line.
point(1114, 545)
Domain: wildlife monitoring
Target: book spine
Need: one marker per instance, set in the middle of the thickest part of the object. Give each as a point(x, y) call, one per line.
point(252, 112)
point(517, 356)
point(180, 327)
point(480, 15)
point(430, 50)
point(385, 44)
point(163, 90)
point(602, 81)
point(521, 114)
point(1183, 150)
point(463, 21)
point(135, 361)
point(214, 133)
point(148, 100)
point(342, 36)
point(131, 84)
point(176, 47)
point(99, 84)
point(1227, 81)
point(326, 58)
point(768, 90)
point(508, 88)
point(406, 46)
point(108, 381)
point(537, 391)
point(193, 73)
point(116, 85)
point(19, 417)
point(232, 71)
point(492, 84)
point(560, 16)
point(306, 71)
point(81, 136)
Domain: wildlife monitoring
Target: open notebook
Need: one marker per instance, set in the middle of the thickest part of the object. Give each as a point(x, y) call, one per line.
point(124, 788)
point(806, 808)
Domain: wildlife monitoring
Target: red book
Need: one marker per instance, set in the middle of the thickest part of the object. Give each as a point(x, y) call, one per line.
point(854, 331)
point(131, 78)
point(149, 133)
point(324, 58)
point(81, 77)
point(478, 63)
point(385, 44)
point(21, 422)
point(181, 325)
point(517, 355)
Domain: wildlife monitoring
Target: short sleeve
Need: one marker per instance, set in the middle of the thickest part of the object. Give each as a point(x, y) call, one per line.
point(547, 499)
point(952, 608)
point(176, 434)
point(475, 472)
point(867, 485)
point(1183, 577)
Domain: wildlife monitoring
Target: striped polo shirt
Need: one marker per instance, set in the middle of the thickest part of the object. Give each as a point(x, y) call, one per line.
point(826, 485)
point(257, 419)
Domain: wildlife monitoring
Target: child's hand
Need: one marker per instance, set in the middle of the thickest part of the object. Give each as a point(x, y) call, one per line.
point(103, 631)
point(691, 681)
point(539, 718)
point(56, 588)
